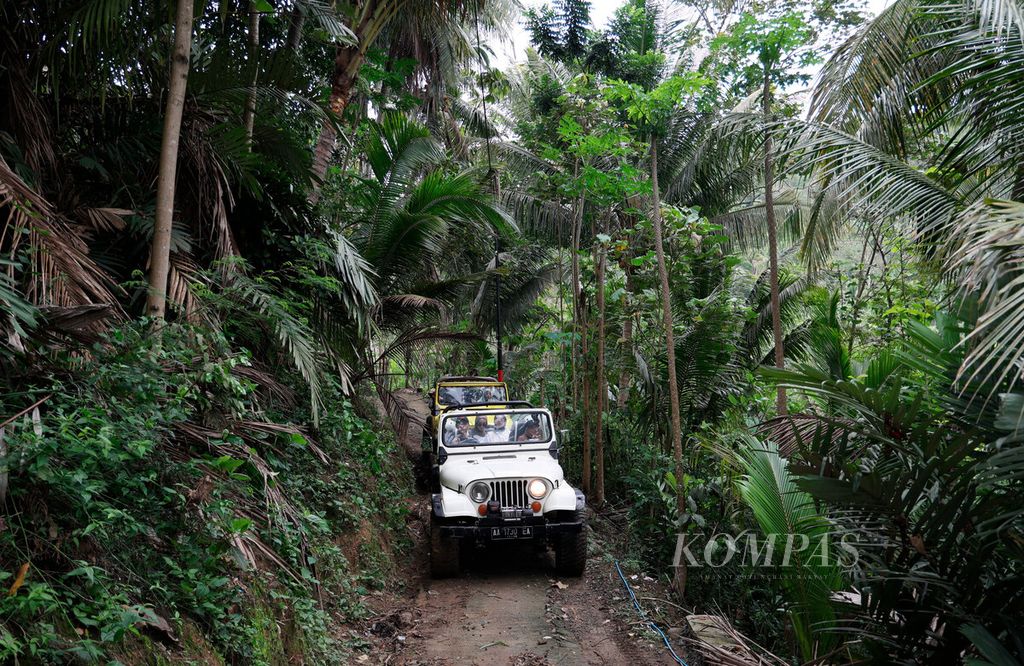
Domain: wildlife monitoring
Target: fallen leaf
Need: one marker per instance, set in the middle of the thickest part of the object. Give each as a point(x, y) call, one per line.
point(18, 580)
point(560, 585)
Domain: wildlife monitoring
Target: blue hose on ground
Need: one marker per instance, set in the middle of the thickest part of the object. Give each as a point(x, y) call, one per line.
point(640, 610)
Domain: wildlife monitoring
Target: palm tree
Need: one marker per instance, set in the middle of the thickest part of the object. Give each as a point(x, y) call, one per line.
point(903, 457)
point(79, 184)
point(423, 231)
point(160, 255)
point(369, 21)
point(944, 77)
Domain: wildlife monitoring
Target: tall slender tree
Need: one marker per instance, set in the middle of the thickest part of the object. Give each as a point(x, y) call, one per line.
point(763, 52)
point(668, 327)
point(600, 260)
point(160, 252)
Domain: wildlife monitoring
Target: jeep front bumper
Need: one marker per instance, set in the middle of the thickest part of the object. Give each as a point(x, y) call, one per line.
point(494, 528)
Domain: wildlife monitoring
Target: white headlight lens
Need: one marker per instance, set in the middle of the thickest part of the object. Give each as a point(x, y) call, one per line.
point(537, 489)
point(479, 492)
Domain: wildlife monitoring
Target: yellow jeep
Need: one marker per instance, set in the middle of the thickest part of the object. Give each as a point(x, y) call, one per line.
point(454, 391)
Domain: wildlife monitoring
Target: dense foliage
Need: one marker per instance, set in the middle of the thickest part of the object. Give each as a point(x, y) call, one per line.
point(755, 310)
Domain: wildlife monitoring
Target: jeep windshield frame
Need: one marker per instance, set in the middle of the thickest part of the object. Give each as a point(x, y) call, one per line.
point(524, 427)
point(452, 395)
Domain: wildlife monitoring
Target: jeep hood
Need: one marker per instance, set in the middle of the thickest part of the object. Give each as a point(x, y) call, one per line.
point(463, 469)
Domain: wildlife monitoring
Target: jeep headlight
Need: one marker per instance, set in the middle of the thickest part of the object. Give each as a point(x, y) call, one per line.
point(479, 492)
point(537, 489)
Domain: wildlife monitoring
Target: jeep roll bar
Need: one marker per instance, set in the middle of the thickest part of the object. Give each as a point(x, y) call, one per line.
point(503, 403)
point(466, 378)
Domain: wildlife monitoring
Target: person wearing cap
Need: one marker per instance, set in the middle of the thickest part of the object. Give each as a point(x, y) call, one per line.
point(461, 431)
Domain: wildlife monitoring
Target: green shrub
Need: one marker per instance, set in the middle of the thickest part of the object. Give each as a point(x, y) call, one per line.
point(152, 489)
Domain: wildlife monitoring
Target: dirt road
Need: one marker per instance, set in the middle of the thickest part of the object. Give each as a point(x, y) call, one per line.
point(508, 608)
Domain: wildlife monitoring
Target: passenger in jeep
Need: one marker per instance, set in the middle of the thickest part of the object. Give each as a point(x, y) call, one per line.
point(461, 433)
point(501, 433)
point(480, 432)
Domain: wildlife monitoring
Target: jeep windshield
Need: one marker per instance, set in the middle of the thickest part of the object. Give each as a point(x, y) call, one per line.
point(467, 395)
point(495, 427)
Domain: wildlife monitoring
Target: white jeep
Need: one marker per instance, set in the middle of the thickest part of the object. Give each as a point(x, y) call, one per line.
point(500, 481)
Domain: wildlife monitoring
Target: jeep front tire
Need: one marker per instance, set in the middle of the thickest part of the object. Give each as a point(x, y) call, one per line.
point(571, 550)
point(444, 554)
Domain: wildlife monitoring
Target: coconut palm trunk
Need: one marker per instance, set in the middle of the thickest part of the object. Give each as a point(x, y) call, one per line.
point(773, 244)
point(371, 18)
point(160, 251)
point(670, 341)
point(574, 260)
point(587, 462)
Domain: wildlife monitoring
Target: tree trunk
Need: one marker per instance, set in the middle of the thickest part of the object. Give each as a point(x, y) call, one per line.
point(600, 252)
point(347, 63)
point(622, 399)
point(773, 245)
point(670, 340)
point(586, 462)
point(574, 261)
point(580, 350)
point(160, 251)
point(295, 25)
point(249, 120)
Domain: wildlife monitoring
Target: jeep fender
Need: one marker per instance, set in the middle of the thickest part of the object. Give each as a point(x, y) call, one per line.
point(563, 498)
point(450, 504)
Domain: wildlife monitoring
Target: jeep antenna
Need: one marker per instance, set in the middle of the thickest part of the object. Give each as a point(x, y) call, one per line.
point(492, 175)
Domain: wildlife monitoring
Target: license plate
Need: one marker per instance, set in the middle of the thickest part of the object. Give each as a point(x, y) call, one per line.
point(511, 532)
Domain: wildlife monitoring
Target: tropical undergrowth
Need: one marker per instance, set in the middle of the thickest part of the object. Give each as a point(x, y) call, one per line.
point(168, 496)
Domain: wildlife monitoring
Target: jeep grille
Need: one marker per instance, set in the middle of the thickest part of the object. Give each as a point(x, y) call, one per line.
point(510, 493)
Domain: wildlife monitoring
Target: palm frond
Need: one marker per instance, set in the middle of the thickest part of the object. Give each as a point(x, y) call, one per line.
point(780, 507)
point(62, 273)
point(990, 259)
point(292, 334)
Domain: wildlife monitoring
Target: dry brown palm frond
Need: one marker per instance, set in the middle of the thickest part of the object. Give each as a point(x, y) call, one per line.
point(82, 323)
point(104, 218)
point(13, 189)
point(62, 272)
point(721, 644)
point(793, 431)
point(28, 119)
point(242, 427)
point(267, 381)
point(185, 272)
point(412, 301)
point(205, 188)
